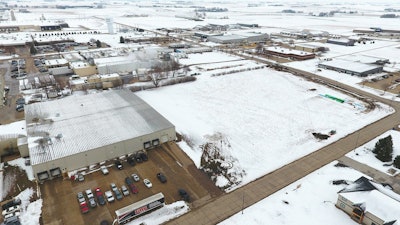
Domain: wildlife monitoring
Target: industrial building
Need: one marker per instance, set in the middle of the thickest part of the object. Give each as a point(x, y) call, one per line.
point(288, 53)
point(341, 41)
point(82, 130)
point(312, 47)
point(248, 37)
point(368, 203)
point(350, 67)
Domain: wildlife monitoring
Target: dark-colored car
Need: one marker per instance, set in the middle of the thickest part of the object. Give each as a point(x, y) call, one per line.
point(144, 156)
point(184, 195)
point(128, 180)
point(118, 194)
point(11, 203)
point(131, 161)
point(118, 164)
point(131, 186)
point(138, 158)
point(20, 101)
point(100, 196)
point(161, 177)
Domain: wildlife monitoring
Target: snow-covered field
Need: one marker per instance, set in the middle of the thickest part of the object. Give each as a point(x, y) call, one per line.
point(264, 118)
point(310, 200)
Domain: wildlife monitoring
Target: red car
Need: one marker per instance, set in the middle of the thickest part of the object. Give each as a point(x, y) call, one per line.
point(133, 188)
point(100, 196)
point(84, 207)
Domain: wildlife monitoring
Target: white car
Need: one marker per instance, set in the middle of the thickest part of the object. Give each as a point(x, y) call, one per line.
point(104, 170)
point(89, 194)
point(9, 215)
point(11, 209)
point(147, 183)
point(124, 190)
point(109, 196)
point(113, 187)
point(135, 177)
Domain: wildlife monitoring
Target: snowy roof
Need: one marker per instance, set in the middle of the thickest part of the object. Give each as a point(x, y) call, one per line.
point(349, 65)
point(287, 51)
point(377, 199)
point(112, 60)
point(377, 203)
point(55, 62)
point(76, 124)
point(12, 130)
point(362, 58)
point(79, 64)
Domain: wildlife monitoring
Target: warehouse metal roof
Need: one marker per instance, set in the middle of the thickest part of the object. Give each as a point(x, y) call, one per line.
point(349, 65)
point(79, 123)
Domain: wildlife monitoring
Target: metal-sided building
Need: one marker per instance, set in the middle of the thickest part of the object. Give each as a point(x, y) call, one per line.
point(350, 67)
point(82, 130)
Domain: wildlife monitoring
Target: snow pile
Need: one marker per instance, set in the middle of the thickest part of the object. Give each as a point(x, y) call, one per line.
point(30, 211)
point(163, 214)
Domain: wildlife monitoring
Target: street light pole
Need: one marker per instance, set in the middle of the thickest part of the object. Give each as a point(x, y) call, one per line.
point(242, 203)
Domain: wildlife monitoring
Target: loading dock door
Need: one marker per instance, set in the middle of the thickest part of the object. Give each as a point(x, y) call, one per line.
point(43, 176)
point(56, 172)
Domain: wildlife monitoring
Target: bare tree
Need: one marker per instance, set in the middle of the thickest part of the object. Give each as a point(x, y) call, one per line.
point(155, 75)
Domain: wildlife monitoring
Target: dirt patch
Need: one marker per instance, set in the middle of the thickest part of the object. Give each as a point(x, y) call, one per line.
point(15, 181)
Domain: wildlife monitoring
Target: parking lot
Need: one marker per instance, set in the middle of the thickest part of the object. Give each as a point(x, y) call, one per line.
point(60, 204)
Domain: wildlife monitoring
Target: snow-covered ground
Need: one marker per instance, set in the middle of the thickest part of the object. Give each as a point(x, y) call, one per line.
point(310, 200)
point(364, 154)
point(264, 119)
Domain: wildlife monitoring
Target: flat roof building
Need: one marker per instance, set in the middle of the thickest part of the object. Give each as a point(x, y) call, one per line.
point(350, 67)
point(288, 53)
point(368, 203)
point(82, 130)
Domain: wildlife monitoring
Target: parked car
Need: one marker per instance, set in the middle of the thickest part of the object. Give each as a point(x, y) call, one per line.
point(184, 195)
point(12, 214)
point(109, 196)
point(104, 170)
point(124, 190)
point(143, 156)
point(81, 177)
point(13, 202)
point(89, 194)
point(11, 209)
point(118, 194)
point(138, 158)
point(80, 197)
point(161, 177)
point(118, 164)
point(20, 101)
point(131, 161)
point(19, 108)
point(84, 207)
point(128, 181)
point(147, 183)
point(92, 202)
point(135, 177)
point(100, 197)
point(113, 187)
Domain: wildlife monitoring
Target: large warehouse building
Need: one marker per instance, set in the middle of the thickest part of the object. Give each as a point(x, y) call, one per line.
point(83, 130)
point(350, 67)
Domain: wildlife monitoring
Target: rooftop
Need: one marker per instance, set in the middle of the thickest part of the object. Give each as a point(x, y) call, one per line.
point(287, 51)
point(79, 123)
point(349, 65)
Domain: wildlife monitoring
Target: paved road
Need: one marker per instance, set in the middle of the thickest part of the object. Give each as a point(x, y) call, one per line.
point(228, 204)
